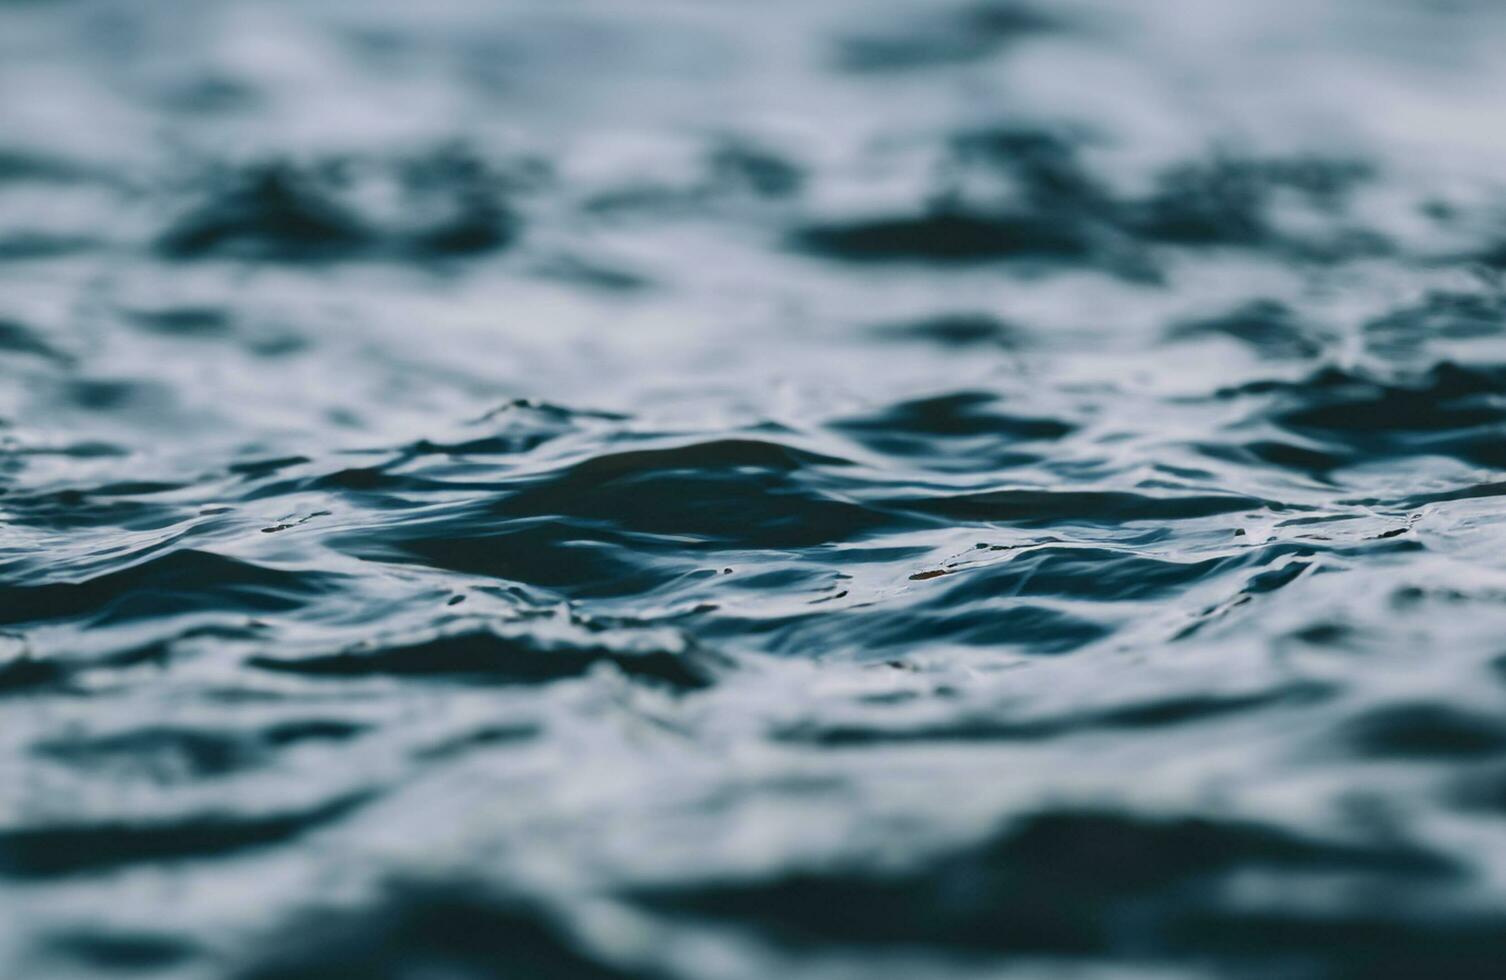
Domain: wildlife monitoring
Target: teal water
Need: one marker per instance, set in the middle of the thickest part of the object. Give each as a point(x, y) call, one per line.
point(700, 490)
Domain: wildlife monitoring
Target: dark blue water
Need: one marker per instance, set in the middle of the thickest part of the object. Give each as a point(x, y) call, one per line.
point(741, 489)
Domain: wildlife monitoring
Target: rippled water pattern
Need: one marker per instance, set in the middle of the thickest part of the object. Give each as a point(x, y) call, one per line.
point(741, 489)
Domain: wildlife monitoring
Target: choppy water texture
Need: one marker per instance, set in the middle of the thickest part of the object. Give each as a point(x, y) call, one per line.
point(700, 490)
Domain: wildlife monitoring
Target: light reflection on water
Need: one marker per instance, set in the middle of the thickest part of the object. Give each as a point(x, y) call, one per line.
point(704, 490)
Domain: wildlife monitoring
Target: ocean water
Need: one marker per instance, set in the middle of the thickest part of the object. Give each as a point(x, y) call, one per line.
point(672, 489)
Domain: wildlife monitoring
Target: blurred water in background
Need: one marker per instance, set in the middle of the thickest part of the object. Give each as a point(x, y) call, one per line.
point(729, 489)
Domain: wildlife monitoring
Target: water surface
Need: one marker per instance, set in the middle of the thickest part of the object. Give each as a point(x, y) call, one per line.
point(665, 489)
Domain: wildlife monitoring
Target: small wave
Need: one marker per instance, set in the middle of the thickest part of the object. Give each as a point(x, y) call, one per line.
point(414, 927)
point(63, 849)
point(487, 655)
point(947, 235)
point(169, 584)
point(281, 212)
point(968, 34)
point(1034, 507)
point(1062, 882)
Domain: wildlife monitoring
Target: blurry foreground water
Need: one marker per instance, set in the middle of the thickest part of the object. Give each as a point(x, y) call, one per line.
point(741, 489)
